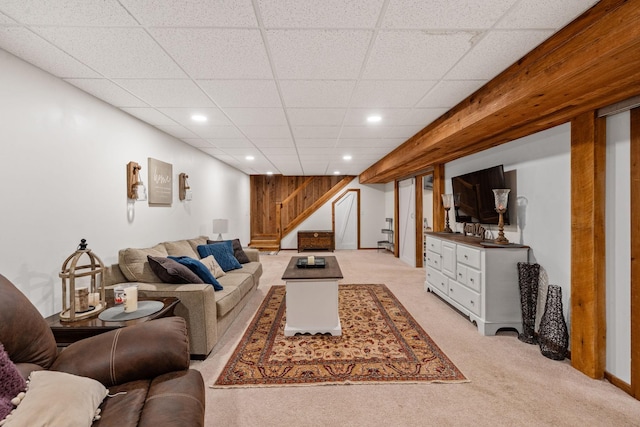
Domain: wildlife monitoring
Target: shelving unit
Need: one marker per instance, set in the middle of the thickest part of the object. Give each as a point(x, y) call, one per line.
point(387, 244)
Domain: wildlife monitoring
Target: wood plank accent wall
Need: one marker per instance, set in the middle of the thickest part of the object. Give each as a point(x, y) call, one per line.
point(302, 194)
point(588, 263)
point(635, 253)
point(591, 63)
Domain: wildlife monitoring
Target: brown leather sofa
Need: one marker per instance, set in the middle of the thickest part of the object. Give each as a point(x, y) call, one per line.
point(149, 361)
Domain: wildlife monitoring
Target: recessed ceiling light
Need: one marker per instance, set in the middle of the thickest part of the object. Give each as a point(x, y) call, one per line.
point(346, 157)
point(374, 119)
point(336, 172)
point(269, 173)
point(199, 118)
point(249, 157)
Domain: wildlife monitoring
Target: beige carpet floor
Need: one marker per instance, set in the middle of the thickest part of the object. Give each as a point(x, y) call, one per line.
point(512, 384)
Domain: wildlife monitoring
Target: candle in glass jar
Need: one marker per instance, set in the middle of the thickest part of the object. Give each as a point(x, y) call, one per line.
point(311, 260)
point(130, 299)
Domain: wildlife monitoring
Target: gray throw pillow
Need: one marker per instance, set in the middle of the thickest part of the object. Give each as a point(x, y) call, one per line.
point(170, 271)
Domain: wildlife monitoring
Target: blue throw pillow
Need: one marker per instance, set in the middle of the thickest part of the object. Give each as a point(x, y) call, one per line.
point(222, 252)
point(199, 269)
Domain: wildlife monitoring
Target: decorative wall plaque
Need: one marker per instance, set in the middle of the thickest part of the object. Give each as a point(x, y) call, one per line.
point(160, 183)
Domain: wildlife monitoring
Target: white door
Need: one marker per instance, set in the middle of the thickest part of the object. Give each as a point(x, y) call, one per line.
point(407, 221)
point(346, 221)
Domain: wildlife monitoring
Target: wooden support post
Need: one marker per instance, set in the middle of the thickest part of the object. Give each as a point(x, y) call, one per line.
point(588, 326)
point(438, 191)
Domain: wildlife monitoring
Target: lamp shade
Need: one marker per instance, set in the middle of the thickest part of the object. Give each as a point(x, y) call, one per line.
point(220, 226)
point(447, 200)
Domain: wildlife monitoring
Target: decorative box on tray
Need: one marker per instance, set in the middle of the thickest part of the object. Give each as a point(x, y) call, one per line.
point(310, 262)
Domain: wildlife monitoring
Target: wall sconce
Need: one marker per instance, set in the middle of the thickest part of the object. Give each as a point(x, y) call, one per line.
point(135, 187)
point(184, 191)
point(447, 201)
point(501, 199)
point(220, 226)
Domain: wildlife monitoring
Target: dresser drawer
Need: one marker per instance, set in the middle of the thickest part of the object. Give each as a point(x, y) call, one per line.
point(468, 256)
point(437, 280)
point(465, 297)
point(433, 260)
point(434, 245)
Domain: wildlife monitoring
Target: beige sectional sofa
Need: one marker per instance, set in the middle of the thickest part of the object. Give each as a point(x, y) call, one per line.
point(208, 313)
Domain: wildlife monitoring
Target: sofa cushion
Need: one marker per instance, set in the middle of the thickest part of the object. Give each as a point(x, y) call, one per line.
point(226, 300)
point(253, 268)
point(222, 252)
point(171, 271)
point(238, 252)
point(180, 248)
point(213, 266)
point(135, 265)
point(239, 279)
point(49, 391)
point(200, 269)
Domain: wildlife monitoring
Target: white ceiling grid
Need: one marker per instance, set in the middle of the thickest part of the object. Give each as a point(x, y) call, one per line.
point(289, 82)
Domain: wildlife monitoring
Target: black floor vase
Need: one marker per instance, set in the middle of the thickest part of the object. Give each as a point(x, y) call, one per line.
point(528, 275)
point(553, 335)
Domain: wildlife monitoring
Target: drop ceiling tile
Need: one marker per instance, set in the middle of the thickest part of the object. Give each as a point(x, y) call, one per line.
point(198, 142)
point(320, 14)
point(68, 12)
point(278, 151)
point(242, 93)
point(215, 152)
point(315, 132)
point(315, 168)
point(316, 116)
point(315, 142)
point(365, 131)
point(266, 131)
point(4, 19)
point(273, 143)
point(206, 53)
point(180, 13)
point(318, 54)
point(231, 143)
point(389, 117)
point(214, 116)
point(114, 52)
point(448, 93)
point(317, 93)
point(257, 116)
point(167, 93)
point(177, 131)
point(240, 152)
point(388, 94)
point(32, 48)
point(547, 14)
point(217, 132)
point(416, 54)
point(422, 116)
point(151, 116)
point(495, 52)
point(444, 14)
point(369, 142)
point(108, 91)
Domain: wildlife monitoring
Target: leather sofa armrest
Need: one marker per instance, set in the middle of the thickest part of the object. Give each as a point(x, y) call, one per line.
point(141, 351)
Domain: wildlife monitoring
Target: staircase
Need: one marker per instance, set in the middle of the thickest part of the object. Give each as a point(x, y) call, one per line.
point(279, 204)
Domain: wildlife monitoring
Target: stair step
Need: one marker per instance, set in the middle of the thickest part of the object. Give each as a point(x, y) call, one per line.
point(264, 244)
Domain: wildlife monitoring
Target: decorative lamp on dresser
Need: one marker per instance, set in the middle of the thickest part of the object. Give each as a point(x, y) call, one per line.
point(477, 277)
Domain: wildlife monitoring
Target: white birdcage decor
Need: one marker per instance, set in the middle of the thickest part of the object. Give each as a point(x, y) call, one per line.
point(80, 301)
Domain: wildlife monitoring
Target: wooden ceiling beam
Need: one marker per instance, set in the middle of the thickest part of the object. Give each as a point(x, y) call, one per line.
point(591, 63)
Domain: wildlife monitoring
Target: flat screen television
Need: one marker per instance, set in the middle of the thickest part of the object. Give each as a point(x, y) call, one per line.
point(477, 202)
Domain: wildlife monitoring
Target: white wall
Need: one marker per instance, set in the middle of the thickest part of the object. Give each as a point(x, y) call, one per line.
point(372, 197)
point(63, 172)
point(618, 248)
point(540, 198)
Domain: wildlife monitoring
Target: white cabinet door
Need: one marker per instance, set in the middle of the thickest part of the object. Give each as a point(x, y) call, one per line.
point(449, 259)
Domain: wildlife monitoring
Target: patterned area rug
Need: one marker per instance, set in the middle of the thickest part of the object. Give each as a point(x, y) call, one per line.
point(380, 343)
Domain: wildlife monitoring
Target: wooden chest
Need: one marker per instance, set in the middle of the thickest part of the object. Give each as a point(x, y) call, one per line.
point(316, 240)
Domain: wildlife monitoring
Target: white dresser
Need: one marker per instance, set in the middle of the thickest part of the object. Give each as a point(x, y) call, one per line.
point(479, 281)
